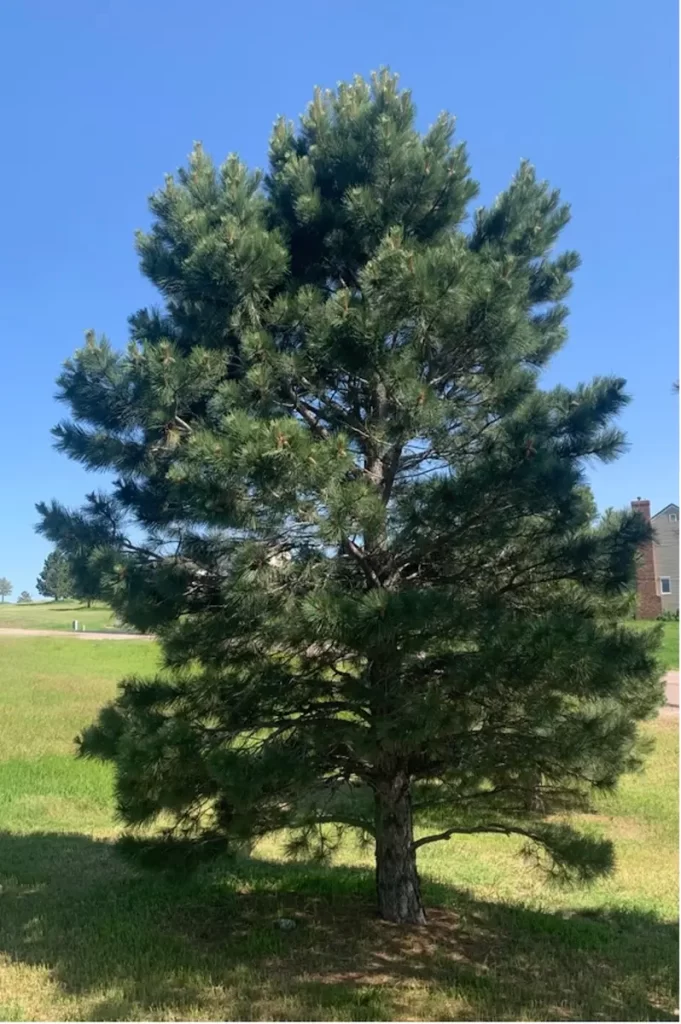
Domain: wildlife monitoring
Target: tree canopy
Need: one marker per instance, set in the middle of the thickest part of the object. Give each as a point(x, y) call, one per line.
point(5, 588)
point(358, 524)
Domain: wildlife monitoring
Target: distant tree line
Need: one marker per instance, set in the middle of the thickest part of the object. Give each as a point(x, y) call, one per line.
point(6, 589)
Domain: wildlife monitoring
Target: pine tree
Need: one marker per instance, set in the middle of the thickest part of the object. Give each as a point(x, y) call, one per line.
point(362, 531)
point(55, 579)
point(86, 541)
point(5, 588)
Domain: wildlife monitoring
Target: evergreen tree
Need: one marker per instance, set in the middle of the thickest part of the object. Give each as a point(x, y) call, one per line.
point(55, 579)
point(86, 540)
point(361, 528)
point(5, 588)
point(87, 584)
point(24, 597)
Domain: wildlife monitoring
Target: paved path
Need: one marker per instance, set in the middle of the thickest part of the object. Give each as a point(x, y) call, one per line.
point(12, 631)
point(672, 680)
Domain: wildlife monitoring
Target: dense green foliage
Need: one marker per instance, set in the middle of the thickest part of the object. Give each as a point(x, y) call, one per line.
point(377, 574)
point(85, 541)
point(5, 588)
point(24, 597)
point(55, 577)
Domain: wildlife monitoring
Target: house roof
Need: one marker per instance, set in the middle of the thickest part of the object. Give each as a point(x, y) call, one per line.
point(672, 507)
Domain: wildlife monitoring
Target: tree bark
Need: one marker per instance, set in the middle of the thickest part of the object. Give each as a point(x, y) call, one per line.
point(397, 880)
point(532, 798)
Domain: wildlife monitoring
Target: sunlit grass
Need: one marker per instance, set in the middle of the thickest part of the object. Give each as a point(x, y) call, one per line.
point(56, 615)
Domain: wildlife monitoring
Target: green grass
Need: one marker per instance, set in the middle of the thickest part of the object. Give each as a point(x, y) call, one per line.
point(669, 650)
point(56, 615)
point(669, 654)
point(84, 937)
point(670, 646)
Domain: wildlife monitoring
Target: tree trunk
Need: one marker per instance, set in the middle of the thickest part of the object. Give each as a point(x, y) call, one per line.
point(397, 880)
point(532, 797)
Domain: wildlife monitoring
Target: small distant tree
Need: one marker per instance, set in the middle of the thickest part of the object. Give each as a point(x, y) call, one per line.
point(5, 588)
point(55, 579)
point(24, 597)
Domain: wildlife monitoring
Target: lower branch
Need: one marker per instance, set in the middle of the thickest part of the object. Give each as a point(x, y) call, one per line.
point(504, 830)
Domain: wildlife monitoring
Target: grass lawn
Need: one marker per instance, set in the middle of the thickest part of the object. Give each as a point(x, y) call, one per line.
point(84, 937)
point(669, 651)
point(56, 615)
point(670, 645)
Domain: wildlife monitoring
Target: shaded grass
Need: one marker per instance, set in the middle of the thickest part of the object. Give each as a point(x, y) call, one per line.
point(83, 936)
point(57, 615)
point(90, 940)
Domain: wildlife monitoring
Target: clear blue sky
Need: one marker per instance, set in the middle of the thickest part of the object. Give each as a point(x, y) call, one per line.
point(101, 99)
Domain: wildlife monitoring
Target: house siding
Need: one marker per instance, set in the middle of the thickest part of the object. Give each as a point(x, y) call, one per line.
point(667, 555)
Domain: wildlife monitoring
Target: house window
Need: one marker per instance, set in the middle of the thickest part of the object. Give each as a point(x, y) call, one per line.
point(665, 585)
point(673, 517)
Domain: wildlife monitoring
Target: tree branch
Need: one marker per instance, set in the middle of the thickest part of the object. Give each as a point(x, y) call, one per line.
point(504, 830)
point(306, 411)
point(360, 556)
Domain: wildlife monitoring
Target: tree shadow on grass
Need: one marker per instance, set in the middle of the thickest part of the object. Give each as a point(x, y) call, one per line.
point(121, 945)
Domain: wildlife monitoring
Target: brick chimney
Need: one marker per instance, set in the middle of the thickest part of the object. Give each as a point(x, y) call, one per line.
point(649, 602)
